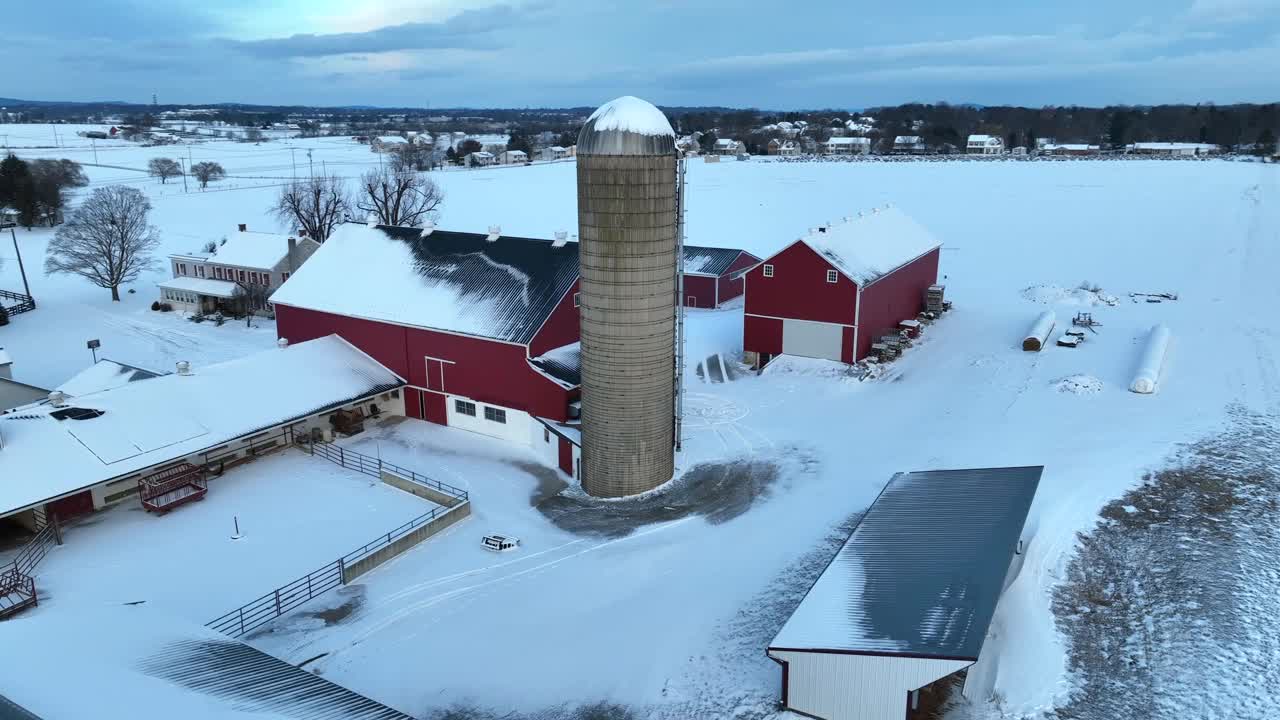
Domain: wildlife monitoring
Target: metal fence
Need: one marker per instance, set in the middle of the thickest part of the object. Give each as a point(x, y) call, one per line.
point(256, 613)
point(374, 467)
point(19, 303)
point(36, 548)
point(263, 610)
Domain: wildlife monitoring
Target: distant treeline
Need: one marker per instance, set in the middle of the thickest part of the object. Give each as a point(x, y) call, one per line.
point(1231, 126)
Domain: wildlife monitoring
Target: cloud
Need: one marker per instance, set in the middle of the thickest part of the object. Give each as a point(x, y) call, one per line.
point(1231, 11)
point(468, 29)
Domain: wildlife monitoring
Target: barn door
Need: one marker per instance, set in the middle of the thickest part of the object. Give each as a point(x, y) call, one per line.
point(435, 374)
point(811, 339)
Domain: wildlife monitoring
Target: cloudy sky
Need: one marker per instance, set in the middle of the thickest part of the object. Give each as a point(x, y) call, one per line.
point(541, 53)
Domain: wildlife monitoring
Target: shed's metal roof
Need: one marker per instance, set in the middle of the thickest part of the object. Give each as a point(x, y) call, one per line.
point(564, 364)
point(700, 260)
point(921, 573)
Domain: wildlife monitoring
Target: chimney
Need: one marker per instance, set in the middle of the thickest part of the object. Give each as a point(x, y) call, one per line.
point(428, 227)
point(282, 343)
point(495, 232)
point(58, 399)
point(244, 227)
point(293, 249)
point(184, 367)
point(562, 237)
point(6, 365)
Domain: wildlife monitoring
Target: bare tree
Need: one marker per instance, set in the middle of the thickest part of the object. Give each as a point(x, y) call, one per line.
point(253, 135)
point(316, 205)
point(164, 168)
point(252, 298)
point(206, 172)
point(107, 240)
point(411, 156)
point(403, 198)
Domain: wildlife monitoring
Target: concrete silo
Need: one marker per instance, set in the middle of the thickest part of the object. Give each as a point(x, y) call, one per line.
point(627, 231)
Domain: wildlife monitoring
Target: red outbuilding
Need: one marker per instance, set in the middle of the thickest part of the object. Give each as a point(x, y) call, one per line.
point(713, 276)
point(483, 327)
point(832, 293)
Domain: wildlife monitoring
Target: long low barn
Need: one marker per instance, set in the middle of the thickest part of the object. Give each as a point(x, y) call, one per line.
point(74, 454)
point(908, 599)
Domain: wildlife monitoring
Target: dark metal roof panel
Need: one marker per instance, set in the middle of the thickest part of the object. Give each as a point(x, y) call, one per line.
point(708, 260)
point(923, 570)
point(562, 363)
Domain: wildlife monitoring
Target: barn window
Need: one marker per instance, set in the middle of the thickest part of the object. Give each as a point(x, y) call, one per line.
point(577, 299)
point(768, 271)
point(464, 408)
point(832, 276)
point(497, 415)
point(546, 435)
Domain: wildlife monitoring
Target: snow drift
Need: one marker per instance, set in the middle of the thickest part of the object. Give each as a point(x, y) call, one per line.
point(1149, 366)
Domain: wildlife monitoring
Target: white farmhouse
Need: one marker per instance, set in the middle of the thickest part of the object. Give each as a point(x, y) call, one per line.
point(480, 158)
point(908, 144)
point(728, 146)
point(513, 157)
point(245, 263)
point(847, 146)
point(387, 143)
point(984, 145)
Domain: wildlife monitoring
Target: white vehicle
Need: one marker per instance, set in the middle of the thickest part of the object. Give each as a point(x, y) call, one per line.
point(500, 543)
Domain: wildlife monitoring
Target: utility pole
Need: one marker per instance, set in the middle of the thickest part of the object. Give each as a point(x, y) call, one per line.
point(184, 176)
point(26, 289)
point(56, 141)
point(292, 154)
point(95, 150)
point(311, 167)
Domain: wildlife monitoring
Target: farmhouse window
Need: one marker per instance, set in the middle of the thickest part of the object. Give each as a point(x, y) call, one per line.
point(497, 415)
point(266, 279)
point(462, 407)
point(832, 276)
point(768, 271)
point(217, 272)
point(284, 276)
point(241, 272)
point(253, 278)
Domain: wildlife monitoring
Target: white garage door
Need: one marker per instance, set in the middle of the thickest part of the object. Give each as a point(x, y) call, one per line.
point(811, 339)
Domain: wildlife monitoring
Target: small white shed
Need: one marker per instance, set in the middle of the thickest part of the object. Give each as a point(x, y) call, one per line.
point(909, 597)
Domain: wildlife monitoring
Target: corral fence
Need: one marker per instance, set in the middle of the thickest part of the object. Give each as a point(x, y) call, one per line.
point(287, 597)
point(16, 303)
point(37, 547)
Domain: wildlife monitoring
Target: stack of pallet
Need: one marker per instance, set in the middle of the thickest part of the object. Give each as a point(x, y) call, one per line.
point(935, 300)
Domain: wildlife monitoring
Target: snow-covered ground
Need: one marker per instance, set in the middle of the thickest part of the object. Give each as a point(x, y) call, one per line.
point(672, 618)
point(296, 514)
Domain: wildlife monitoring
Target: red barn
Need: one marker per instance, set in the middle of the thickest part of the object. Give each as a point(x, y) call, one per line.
point(483, 327)
point(713, 275)
point(831, 293)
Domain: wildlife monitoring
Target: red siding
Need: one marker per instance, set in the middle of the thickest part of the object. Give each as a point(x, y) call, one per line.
point(799, 289)
point(702, 289)
point(437, 411)
point(846, 346)
point(486, 370)
point(762, 335)
point(412, 400)
point(71, 505)
point(730, 289)
point(561, 327)
point(895, 297)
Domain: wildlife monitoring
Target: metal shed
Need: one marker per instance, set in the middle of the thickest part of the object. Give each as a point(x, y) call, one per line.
point(909, 597)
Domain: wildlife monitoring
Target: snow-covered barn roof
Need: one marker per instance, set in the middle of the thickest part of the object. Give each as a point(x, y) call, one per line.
point(142, 663)
point(562, 364)
point(872, 244)
point(923, 570)
point(47, 452)
point(710, 261)
point(104, 375)
point(459, 282)
point(253, 249)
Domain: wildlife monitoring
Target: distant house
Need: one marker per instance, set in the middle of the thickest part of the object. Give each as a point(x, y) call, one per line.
point(1173, 149)
point(387, 143)
point(783, 148)
point(1071, 149)
point(1019, 151)
point(513, 157)
point(847, 146)
point(908, 145)
point(728, 146)
point(480, 158)
point(423, 139)
point(555, 152)
point(984, 145)
point(245, 263)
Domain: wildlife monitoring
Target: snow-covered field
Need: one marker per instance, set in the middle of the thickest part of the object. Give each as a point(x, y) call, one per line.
point(672, 619)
